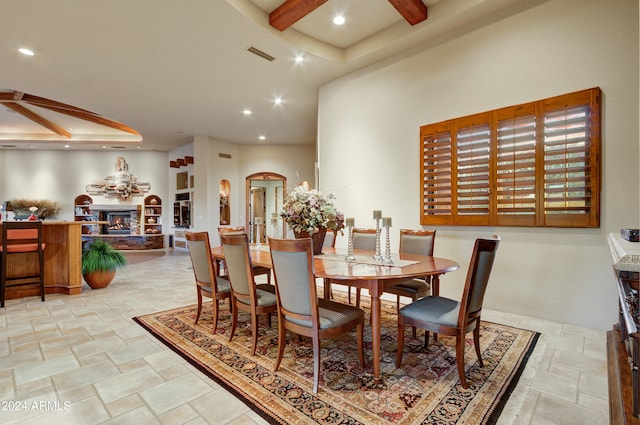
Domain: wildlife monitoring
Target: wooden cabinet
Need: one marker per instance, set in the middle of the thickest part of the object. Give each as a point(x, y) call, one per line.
point(83, 212)
point(152, 215)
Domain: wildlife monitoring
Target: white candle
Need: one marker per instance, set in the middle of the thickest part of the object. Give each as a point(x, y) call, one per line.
point(257, 220)
point(349, 222)
point(386, 222)
point(377, 214)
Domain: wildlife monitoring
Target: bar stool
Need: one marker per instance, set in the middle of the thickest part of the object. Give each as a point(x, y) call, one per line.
point(20, 238)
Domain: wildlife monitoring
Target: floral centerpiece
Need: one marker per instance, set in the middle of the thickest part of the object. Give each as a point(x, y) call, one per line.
point(309, 213)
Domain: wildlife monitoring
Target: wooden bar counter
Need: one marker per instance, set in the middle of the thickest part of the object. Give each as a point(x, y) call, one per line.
point(62, 261)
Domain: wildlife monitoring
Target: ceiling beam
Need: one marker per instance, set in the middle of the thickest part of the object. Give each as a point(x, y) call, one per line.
point(291, 11)
point(75, 112)
point(413, 11)
point(37, 119)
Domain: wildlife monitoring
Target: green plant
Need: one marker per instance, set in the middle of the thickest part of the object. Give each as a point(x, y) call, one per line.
point(100, 256)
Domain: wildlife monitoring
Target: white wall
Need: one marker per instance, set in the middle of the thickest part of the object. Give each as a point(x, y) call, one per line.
point(368, 146)
point(296, 163)
point(60, 176)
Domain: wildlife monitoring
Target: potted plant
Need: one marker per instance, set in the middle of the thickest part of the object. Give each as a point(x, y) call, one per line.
point(309, 213)
point(100, 261)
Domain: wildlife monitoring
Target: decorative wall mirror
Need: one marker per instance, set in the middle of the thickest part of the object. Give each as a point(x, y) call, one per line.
point(225, 210)
point(264, 197)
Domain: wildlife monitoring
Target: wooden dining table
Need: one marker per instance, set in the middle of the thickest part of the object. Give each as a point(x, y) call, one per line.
point(373, 277)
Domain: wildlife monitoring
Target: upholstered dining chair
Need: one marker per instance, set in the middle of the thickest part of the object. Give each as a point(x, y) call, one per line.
point(21, 238)
point(419, 242)
point(364, 239)
point(299, 308)
point(455, 318)
point(245, 294)
point(238, 230)
point(208, 283)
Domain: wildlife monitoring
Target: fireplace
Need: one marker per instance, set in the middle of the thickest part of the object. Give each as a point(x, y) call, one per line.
point(119, 223)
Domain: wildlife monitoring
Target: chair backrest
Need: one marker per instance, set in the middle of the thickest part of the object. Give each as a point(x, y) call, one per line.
point(21, 236)
point(330, 239)
point(239, 266)
point(419, 242)
point(200, 253)
point(237, 230)
point(292, 261)
point(484, 253)
point(364, 239)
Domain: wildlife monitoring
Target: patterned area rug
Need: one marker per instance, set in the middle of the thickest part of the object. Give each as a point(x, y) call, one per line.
point(425, 390)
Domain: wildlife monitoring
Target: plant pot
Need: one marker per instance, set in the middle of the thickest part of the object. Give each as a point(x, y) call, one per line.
point(99, 280)
point(316, 238)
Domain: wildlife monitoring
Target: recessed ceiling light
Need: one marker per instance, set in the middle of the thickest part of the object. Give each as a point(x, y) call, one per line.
point(299, 59)
point(26, 52)
point(262, 137)
point(338, 20)
point(104, 147)
point(277, 100)
point(67, 146)
point(247, 112)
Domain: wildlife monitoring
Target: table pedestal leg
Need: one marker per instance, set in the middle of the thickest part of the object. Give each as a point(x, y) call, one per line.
point(375, 330)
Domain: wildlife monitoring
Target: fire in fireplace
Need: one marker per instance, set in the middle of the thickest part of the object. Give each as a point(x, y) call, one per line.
point(119, 223)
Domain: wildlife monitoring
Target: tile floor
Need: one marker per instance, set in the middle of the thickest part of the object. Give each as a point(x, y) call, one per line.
point(82, 360)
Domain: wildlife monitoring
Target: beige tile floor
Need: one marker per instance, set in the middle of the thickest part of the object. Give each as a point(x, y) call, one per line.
point(82, 360)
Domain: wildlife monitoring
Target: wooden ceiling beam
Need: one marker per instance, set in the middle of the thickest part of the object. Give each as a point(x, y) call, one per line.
point(413, 11)
point(27, 113)
point(75, 112)
point(291, 11)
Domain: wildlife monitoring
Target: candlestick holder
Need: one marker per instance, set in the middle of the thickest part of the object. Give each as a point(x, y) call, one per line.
point(350, 256)
point(258, 239)
point(387, 248)
point(378, 256)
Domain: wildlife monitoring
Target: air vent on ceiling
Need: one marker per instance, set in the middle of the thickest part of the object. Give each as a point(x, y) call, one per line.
point(9, 146)
point(224, 155)
point(260, 53)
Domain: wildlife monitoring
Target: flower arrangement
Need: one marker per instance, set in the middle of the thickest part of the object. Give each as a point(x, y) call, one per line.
point(45, 207)
point(308, 210)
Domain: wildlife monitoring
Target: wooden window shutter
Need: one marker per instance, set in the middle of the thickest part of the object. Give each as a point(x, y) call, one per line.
point(515, 188)
point(472, 154)
point(571, 151)
point(436, 174)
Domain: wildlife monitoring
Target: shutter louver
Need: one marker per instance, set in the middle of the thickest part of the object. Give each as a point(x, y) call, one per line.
point(472, 170)
point(436, 174)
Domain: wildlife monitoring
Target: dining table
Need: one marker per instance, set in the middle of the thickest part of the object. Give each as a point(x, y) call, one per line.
point(362, 271)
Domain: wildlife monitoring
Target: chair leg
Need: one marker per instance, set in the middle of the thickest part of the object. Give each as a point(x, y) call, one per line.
point(476, 342)
point(316, 361)
point(358, 297)
point(199, 305)
point(360, 334)
point(460, 341)
point(41, 276)
point(426, 338)
point(254, 332)
point(234, 321)
point(282, 340)
point(400, 343)
point(214, 314)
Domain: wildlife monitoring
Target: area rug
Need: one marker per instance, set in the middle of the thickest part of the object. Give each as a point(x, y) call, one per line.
point(425, 390)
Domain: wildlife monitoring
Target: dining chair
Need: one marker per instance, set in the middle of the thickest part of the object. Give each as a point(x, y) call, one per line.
point(238, 230)
point(21, 238)
point(299, 308)
point(245, 294)
point(419, 242)
point(364, 239)
point(454, 318)
point(329, 242)
point(208, 283)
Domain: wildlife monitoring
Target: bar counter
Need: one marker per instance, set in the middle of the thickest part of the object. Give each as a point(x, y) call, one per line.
point(62, 260)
